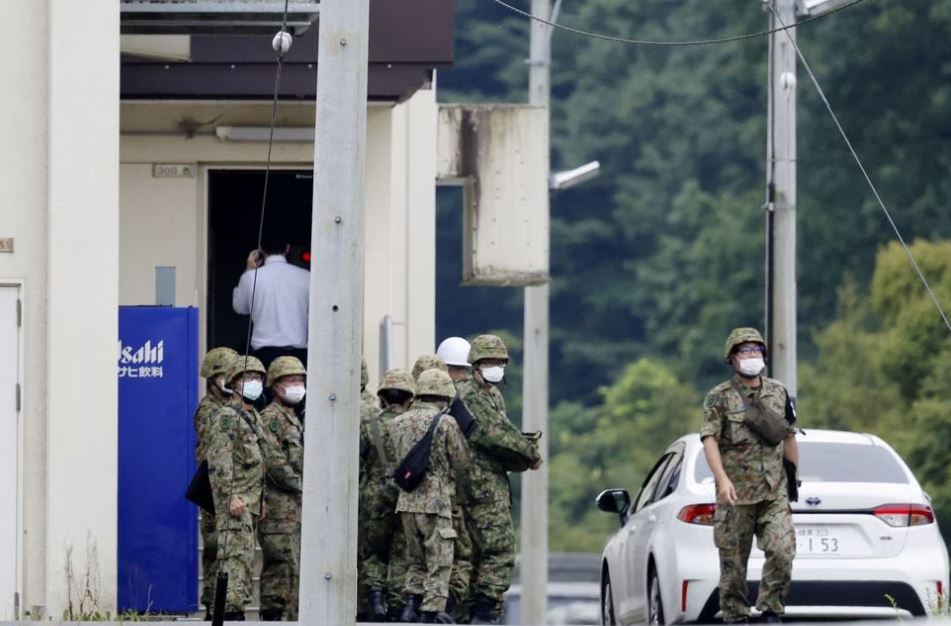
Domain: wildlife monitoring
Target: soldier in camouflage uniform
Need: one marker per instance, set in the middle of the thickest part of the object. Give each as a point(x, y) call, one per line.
point(213, 369)
point(426, 512)
point(236, 473)
point(750, 477)
point(454, 352)
point(279, 532)
point(382, 562)
point(498, 447)
point(427, 362)
point(368, 405)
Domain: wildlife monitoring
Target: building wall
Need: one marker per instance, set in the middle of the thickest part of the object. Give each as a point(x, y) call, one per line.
point(24, 216)
point(59, 199)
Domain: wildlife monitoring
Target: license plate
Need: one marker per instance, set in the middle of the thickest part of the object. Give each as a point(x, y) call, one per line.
point(817, 540)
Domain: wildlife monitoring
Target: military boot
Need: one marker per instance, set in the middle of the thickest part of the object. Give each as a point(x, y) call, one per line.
point(410, 612)
point(484, 610)
point(436, 617)
point(376, 607)
point(234, 616)
point(271, 615)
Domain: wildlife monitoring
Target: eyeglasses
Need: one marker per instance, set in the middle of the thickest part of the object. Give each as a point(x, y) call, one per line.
point(750, 351)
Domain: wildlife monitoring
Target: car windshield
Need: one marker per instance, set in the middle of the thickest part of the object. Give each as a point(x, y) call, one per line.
point(834, 462)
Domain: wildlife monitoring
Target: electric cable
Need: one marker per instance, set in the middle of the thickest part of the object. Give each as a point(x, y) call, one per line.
point(670, 44)
point(281, 44)
point(858, 161)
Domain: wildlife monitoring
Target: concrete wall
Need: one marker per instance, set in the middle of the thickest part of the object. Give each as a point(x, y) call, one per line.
point(59, 199)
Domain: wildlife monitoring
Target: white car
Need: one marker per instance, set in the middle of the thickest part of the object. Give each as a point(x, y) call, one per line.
point(867, 540)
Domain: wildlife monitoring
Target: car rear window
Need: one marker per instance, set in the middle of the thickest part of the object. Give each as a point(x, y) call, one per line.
point(836, 462)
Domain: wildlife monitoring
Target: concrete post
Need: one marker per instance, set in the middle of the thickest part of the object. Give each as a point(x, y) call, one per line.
point(329, 536)
point(781, 205)
point(534, 514)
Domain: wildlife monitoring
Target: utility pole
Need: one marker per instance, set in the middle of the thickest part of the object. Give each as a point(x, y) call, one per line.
point(781, 197)
point(328, 564)
point(534, 514)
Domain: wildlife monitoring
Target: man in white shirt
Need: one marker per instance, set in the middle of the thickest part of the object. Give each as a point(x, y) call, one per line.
point(281, 297)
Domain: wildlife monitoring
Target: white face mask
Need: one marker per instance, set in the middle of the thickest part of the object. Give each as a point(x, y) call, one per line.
point(752, 367)
point(251, 389)
point(222, 385)
point(293, 395)
point(493, 374)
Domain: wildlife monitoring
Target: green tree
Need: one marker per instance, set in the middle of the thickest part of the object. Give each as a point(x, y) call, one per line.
point(613, 445)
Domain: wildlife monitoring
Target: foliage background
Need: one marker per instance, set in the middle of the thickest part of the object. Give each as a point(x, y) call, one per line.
point(654, 261)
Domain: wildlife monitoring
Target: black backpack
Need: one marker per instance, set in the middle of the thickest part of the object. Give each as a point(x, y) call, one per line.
point(411, 470)
point(199, 490)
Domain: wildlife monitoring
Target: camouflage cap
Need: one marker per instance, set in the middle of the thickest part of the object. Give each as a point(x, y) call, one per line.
point(364, 373)
point(217, 361)
point(284, 366)
point(740, 336)
point(487, 347)
point(428, 362)
point(400, 379)
point(241, 364)
point(435, 382)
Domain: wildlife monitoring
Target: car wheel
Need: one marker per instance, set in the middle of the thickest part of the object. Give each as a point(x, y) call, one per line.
point(607, 602)
point(655, 606)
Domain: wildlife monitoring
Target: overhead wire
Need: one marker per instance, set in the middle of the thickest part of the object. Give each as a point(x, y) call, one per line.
point(670, 44)
point(868, 179)
point(280, 51)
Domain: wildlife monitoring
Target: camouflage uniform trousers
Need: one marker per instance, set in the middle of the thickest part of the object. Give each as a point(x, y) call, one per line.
point(382, 546)
point(236, 558)
point(430, 543)
point(280, 569)
point(209, 553)
point(493, 538)
point(770, 521)
point(460, 583)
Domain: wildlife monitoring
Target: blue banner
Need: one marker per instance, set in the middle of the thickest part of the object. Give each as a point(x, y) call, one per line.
point(158, 392)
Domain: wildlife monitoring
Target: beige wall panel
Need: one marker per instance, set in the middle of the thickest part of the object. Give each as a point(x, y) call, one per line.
point(23, 216)
point(83, 299)
point(157, 228)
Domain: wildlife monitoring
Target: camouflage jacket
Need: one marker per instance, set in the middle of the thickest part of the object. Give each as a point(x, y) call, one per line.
point(754, 467)
point(497, 445)
point(235, 460)
point(206, 406)
point(282, 443)
point(449, 456)
point(376, 439)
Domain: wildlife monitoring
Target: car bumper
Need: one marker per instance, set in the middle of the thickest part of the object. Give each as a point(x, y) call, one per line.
point(831, 588)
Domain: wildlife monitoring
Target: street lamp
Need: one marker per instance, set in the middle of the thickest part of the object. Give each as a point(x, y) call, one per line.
point(813, 8)
point(559, 181)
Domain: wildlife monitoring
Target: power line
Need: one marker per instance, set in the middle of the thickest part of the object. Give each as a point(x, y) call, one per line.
point(670, 44)
point(868, 179)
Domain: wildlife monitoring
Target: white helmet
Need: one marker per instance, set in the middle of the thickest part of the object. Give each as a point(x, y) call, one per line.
point(454, 351)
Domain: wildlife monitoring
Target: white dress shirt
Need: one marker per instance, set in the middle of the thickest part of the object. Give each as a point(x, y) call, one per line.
point(280, 303)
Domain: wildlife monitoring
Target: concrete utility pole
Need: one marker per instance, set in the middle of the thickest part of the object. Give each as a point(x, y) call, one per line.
point(534, 519)
point(328, 565)
point(781, 197)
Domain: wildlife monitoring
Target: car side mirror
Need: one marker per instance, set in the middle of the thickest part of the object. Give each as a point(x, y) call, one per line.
point(614, 501)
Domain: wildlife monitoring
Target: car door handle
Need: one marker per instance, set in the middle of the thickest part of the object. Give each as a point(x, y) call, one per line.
point(652, 519)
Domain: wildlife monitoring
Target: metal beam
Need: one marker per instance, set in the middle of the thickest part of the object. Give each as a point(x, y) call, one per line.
point(206, 16)
point(328, 566)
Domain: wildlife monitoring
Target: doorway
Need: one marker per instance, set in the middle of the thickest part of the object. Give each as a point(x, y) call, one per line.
point(9, 449)
point(234, 213)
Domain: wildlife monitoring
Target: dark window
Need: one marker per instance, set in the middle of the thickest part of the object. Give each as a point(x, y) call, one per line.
point(668, 483)
point(829, 462)
point(650, 483)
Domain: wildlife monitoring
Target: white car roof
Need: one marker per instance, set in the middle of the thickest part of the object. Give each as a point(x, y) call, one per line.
point(818, 435)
